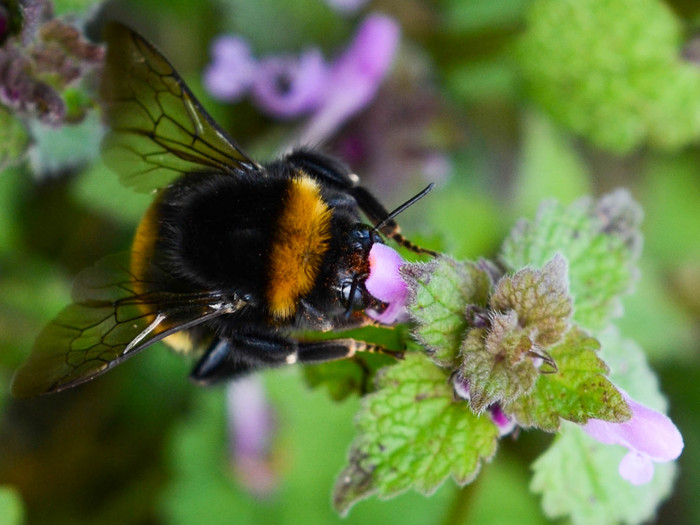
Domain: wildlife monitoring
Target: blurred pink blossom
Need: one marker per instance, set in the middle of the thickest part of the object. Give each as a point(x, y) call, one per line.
point(286, 86)
point(354, 77)
point(650, 436)
point(504, 424)
point(251, 429)
point(230, 74)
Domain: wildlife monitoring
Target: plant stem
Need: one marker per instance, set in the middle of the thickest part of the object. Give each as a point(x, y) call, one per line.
point(461, 505)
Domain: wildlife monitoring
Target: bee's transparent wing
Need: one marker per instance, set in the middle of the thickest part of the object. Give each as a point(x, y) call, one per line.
point(158, 129)
point(108, 322)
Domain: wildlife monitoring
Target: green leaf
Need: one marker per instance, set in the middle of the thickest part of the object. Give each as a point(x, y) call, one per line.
point(539, 298)
point(413, 433)
point(14, 139)
point(601, 242)
point(579, 390)
point(439, 292)
point(529, 312)
point(496, 362)
point(630, 87)
point(11, 508)
point(577, 477)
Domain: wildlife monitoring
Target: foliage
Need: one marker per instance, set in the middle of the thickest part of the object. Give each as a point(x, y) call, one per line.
point(516, 109)
point(630, 87)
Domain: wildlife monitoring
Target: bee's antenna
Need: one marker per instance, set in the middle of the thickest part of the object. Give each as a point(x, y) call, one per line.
point(389, 228)
point(408, 203)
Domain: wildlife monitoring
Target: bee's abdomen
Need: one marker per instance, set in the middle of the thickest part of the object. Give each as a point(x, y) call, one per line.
point(260, 236)
point(214, 231)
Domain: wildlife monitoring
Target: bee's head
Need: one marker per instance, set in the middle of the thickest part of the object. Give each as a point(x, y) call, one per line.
point(372, 281)
point(366, 272)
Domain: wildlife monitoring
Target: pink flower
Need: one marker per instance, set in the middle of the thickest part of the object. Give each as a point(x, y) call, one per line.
point(232, 70)
point(251, 429)
point(355, 76)
point(385, 283)
point(504, 424)
point(649, 436)
point(287, 86)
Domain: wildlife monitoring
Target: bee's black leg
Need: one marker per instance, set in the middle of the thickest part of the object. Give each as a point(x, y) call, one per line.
point(227, 359)
point(327, 169)
point(332, 349)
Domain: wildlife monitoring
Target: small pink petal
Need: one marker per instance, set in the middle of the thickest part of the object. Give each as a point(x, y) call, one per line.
point(461, 386)
point(504, 424)
point(287, 87)
point(230, 74)
point(650, 436)
point(652, 433)
point(385, 283)
point(636, 468)
point(251, 429)
point(648, 432)
point(355, 76)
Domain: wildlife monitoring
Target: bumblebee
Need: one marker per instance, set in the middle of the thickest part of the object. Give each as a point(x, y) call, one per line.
point(231, 256)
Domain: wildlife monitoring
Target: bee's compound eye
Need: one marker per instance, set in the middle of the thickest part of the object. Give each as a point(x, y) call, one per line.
point(361, 238)
point(351, 295)
point(345, 291)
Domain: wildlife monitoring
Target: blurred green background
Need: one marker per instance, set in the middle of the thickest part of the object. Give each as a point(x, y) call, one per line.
point(502, 102)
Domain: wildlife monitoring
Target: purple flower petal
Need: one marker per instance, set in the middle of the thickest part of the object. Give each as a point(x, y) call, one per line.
point(649, 436)
point(636, 468)
point(504, 424)
point(231, 73)
point(385, 283)
point(251, 427)
point(355, 76)
point(286, 87)
point(461, 386)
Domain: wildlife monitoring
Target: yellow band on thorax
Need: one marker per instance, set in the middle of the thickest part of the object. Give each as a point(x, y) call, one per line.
point(299, 243)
